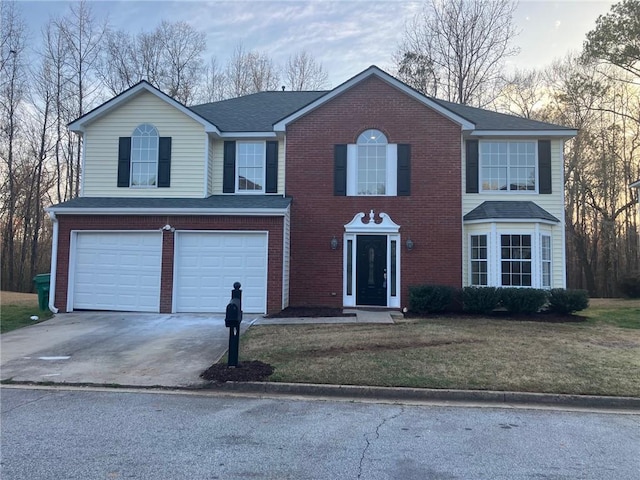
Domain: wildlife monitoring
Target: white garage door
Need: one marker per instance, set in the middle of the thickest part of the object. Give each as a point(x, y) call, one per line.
point(208, 263)
point(117, 271)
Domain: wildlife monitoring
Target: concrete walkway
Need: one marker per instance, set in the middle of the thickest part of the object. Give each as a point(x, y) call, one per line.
point(361, 316)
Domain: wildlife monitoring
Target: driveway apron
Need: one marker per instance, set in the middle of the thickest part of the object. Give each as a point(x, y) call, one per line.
point(137, 349)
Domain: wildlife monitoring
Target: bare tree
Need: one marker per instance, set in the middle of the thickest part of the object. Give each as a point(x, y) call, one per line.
point(302, 72)
point(83, 37)
point(182, 48)
point(523, 94)
point(250, 72)
point(455, 49)
point(214, 87)
point(12, 92)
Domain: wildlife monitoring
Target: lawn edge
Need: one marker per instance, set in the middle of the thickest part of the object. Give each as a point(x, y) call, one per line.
point(429, 394)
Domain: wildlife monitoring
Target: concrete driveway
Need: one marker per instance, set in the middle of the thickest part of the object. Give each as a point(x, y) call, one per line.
point(142, 349)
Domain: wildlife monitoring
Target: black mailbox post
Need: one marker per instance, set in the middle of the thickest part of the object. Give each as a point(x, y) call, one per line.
point(232, 321)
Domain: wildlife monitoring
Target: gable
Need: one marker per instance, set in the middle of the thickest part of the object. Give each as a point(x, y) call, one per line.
point(374, 103)
point(188, 146)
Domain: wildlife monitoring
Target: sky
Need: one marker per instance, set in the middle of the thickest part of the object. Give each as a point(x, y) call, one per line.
point(345, 36)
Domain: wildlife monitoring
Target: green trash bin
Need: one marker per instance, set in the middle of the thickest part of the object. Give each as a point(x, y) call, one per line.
point(43, 282)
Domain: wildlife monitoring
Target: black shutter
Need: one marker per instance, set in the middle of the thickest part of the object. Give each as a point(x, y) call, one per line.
point(272, 167)
point(404, 170)
point(124, 161)
point(229, 168)
point(164, 162)
point(340, 170)
point(472, 166)
point(544, 166)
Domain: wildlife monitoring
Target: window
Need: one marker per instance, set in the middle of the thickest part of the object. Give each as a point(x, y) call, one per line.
point(515, 256)
point(508, 166)
point(144, 156)
point(372, 163)
point(250, 167)
point(479, 260)
point(545, 255)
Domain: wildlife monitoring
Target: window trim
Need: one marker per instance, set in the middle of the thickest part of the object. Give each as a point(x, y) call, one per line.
point(481, 189)
point(544, 261)
point(485, 260)
point(240, 191)
point(132, 161)
point(494, 233)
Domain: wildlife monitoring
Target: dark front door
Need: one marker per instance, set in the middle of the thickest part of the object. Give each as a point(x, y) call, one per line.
point(371, 270)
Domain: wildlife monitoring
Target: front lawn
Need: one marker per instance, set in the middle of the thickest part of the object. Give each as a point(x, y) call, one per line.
point(16, 310)
point(600, 356)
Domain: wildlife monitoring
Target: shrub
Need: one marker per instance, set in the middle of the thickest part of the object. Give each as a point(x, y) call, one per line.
point(629, 285)
point(480, 299)
point(565, 301)
point(430, 298)
point(523, 300)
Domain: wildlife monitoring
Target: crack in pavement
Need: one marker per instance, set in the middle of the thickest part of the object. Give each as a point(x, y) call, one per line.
point(377, 436)
point(25, 403)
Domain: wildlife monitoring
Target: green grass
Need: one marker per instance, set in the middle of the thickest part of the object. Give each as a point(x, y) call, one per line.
point(600, 356)
point(619, 317)
point(13, 317)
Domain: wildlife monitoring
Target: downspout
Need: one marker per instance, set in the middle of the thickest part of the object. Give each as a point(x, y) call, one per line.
point(54, 263)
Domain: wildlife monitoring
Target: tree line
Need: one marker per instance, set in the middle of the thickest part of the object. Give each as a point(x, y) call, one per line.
point(454, 50)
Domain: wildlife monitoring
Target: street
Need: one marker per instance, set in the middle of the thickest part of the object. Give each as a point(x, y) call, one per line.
point(85, 434)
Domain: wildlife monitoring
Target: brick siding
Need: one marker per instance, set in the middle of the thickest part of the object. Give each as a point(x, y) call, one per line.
point(431, 216)
point(274, 225)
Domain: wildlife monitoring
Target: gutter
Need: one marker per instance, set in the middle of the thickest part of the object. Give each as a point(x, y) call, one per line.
point(270, 212)
point(54, 263)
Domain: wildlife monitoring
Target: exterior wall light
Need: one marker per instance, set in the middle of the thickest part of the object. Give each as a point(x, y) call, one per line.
point(334, 243)
point(409, 244)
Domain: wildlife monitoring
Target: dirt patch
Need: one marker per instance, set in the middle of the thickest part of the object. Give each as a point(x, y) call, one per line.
point(310, 312)
point(614, 302)
point(251, 371)
point(549, 317)
point(18, 298)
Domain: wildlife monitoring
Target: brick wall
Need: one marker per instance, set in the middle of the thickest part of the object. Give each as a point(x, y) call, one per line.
point(431, 216)
point(274, 225)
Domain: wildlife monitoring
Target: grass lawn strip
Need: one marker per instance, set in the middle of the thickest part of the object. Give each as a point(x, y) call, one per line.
point(16, 310)
point(597, 357)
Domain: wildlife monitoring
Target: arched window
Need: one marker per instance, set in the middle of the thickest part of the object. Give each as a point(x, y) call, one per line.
point(372, 163)
point(144, 156)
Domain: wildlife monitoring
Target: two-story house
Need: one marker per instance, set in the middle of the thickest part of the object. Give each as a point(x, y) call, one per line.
point(339, 198)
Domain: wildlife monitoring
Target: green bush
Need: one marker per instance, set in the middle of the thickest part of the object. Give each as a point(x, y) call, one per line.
point(480, 299)
point(523, 300)
point(629, 285)
point(430, 298)
point(562, 300)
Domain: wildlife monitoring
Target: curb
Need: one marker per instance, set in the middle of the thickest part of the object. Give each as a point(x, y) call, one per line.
point(424, 394)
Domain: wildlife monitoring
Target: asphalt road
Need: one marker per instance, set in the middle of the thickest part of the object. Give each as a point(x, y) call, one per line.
point(62, 434)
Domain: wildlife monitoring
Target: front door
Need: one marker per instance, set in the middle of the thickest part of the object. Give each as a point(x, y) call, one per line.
point(371, 270)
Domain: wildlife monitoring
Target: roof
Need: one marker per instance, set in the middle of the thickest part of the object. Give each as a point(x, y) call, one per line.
point(488, 120)
point(635, 184)
point(509, 210)
point(214, 204)
point(270, 112)
point(256, 112)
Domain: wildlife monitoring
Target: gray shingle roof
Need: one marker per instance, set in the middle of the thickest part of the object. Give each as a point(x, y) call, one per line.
point(509, 210)
point(212, 202)
point(488, 120)
point(256, 112)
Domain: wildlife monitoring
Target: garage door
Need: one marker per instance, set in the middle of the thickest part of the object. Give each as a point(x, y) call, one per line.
point(117, 271)
point(208, 263)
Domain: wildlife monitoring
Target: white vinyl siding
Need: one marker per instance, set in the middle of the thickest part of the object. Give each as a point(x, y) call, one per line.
point(187, 149)
point(218, 158)
point(552, 203)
